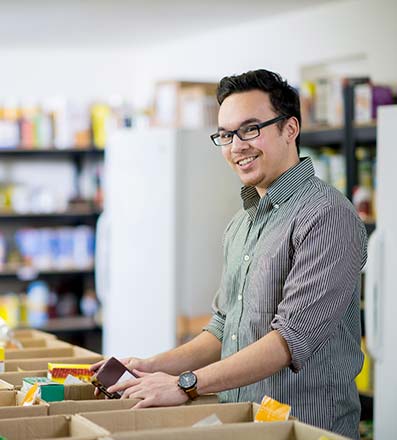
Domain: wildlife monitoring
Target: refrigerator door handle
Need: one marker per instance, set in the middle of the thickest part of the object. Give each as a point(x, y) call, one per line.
point(373, 295)
point(101, 258)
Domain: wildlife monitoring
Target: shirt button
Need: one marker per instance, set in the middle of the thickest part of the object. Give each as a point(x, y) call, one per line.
point(234, 337)
point(240, 297)
point(276, 206)
point(246, 257)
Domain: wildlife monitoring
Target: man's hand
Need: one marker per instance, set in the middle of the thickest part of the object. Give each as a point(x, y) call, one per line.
point(130, 363)
point(155, 389)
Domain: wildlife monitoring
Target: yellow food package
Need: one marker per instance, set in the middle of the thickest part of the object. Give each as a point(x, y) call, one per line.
point(31, 395)
point(59, 372)
point(272, 411)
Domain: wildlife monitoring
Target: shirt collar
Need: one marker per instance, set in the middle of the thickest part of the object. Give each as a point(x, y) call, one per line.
point(282, 188)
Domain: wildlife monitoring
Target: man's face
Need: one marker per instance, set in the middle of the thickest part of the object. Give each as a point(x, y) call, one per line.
point(260, 161)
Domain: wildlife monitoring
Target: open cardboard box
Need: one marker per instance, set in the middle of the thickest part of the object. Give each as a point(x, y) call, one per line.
point(75, 355)
point(76, 406)
point(53, 348)
point(9, 408)
point(35, 342)
point(5, 385)
point(13, 380)
point(32, 334)
point(171, 417)
point(84, 406)
point(54, 427)
point(291, 430)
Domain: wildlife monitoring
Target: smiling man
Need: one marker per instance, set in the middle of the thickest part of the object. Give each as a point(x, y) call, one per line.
point(286, 318)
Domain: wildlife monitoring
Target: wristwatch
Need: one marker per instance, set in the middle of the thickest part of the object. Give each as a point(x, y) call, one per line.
point(188, 383)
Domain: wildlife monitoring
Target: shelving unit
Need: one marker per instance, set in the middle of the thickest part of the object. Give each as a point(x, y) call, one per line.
point(347, 138)
point(79, 330)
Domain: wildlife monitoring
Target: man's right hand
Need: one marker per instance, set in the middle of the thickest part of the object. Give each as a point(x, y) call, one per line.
point(131, 363)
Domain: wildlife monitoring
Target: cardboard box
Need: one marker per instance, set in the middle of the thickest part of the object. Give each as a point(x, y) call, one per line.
point(185, 104)
point(35, 342)
point(70, 427)
point(33, 334)
point(9, 408)
point(5, 385)
point(93, 404)
point(13, 379)
point(291, 430)
point(171, 417)
point(84, 406)
point(53, 348)
point(77, 355)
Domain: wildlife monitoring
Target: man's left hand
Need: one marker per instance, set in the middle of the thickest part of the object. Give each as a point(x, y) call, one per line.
point(155, 389)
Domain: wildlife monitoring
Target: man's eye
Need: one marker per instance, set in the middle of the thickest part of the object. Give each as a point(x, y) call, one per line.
point(225, 135)
point(249, 129)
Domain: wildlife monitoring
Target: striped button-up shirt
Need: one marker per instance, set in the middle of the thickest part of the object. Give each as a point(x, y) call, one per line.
point(292, 263)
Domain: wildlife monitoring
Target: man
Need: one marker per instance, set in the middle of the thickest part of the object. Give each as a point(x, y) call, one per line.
point(286, 319)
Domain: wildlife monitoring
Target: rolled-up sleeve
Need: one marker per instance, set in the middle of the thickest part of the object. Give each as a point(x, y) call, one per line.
point(217, 322)
point(325, 272)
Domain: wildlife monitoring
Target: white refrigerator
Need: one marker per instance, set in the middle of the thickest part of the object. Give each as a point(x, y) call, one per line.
point(169, 195)
point(381, 280)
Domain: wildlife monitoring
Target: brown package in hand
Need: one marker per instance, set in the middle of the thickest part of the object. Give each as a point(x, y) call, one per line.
point(111, 372)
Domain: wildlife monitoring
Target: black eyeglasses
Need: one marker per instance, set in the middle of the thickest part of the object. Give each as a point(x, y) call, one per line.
point(245, 133)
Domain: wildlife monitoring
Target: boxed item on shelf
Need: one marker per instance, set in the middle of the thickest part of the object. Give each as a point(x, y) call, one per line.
point(185, 104)
point(71, 427)
point(9, 406)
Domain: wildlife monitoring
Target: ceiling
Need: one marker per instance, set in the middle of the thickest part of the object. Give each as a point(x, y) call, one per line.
point(49, 23)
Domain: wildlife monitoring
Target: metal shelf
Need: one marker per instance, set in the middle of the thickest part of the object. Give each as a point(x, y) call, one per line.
point(65, 215)
point(51, 152)
point(321, 136)
point(29, 274)
point(365, 134)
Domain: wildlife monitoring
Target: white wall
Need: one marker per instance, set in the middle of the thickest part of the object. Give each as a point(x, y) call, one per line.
point(283, 44)
point(86, 72)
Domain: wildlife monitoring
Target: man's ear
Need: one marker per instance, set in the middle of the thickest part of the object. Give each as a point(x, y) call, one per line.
point(291, 129)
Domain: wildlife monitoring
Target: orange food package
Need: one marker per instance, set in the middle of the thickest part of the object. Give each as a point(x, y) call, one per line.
point(272, 411)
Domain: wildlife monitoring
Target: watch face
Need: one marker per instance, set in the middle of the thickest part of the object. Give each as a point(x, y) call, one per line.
point(187, 380)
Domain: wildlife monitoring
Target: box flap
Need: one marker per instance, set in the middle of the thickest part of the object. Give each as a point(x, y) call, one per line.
point(75, 407)
point(182, 416)
point(234, 431)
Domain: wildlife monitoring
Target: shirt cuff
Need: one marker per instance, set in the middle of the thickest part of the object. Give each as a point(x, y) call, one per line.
point(298, 345)
point(215, 326)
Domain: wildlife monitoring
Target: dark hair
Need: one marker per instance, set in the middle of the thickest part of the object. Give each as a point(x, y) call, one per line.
point(283, 97)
